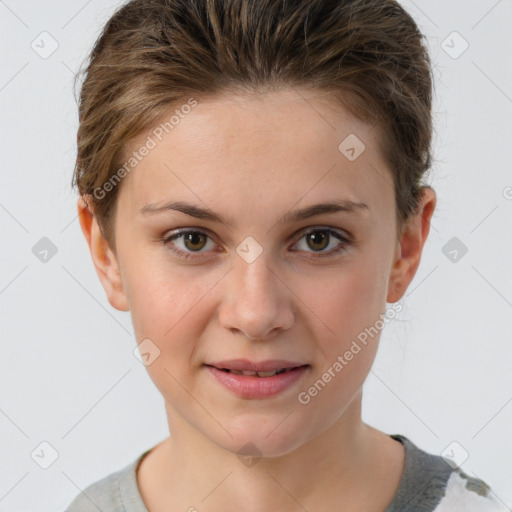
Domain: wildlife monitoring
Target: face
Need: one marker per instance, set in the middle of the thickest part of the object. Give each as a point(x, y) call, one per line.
point(255, 279)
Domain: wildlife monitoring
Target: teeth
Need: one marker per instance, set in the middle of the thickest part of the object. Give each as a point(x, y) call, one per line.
point(267, 374)
point(251, 373)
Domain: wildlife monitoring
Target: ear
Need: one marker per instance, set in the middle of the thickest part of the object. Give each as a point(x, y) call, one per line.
point(103, 258)
point(410, 246)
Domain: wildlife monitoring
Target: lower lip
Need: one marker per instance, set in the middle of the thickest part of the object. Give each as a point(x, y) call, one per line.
point(257, 387)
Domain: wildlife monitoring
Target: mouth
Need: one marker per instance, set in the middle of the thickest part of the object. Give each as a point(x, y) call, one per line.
point(252, 373)
point(257, 380)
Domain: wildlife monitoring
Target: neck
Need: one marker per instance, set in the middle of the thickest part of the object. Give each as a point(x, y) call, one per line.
point(195, 472)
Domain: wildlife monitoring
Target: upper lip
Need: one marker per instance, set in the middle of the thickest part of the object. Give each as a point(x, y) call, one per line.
point(256, 366)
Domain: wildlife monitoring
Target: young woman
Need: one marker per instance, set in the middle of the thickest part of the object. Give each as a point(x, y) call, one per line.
point(251, 179)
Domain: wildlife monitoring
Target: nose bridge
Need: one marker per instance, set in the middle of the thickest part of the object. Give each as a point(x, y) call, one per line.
point(256, 276)
point(252, 272)
point(256, 301)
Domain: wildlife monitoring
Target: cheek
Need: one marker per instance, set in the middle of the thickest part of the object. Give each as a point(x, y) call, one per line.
point(170, 311)
point(347, 299)
point(350, 306)
point(159, 292)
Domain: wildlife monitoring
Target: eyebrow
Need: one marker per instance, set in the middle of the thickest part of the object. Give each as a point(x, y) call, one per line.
point(329, 207)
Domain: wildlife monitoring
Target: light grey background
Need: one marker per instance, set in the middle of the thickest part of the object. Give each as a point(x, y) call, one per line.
point(68, 376)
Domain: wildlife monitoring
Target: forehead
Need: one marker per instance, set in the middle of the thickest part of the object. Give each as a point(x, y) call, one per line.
point(260, 150)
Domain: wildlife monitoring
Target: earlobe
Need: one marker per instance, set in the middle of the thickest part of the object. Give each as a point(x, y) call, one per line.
point(104, 260)
point(410, 246)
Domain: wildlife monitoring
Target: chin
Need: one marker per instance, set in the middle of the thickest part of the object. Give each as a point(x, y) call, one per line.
point(259, 437)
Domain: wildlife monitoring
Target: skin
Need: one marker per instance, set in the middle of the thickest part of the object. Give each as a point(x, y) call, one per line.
point(252, 159)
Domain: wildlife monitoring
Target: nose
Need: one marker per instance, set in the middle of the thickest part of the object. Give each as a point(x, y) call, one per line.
point(256, 302)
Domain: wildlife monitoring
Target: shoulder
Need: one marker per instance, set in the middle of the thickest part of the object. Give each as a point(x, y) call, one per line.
point(112, 493)
point(470, 494)
point(103, 495)
point(430, 484)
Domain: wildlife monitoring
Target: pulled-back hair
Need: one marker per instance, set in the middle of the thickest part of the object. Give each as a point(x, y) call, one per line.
point(154, 55)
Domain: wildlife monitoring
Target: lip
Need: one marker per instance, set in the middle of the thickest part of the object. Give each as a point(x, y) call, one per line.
point(254, 387)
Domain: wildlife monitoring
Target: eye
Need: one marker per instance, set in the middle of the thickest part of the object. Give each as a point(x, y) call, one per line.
point(319, 239)
point(194, 241)
point(191, 241)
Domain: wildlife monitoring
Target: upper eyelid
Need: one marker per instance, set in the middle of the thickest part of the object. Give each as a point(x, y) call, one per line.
point(298, 234)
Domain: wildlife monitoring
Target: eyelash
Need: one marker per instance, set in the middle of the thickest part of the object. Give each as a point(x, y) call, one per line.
point(190, 254)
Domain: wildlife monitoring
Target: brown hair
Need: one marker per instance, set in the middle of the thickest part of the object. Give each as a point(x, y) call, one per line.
point(155, 54)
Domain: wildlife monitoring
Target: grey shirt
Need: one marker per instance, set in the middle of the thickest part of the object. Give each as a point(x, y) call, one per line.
point(428, 484)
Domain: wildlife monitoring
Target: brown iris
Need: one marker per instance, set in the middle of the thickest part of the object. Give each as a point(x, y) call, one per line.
point(192, 239)
point(319, 239)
